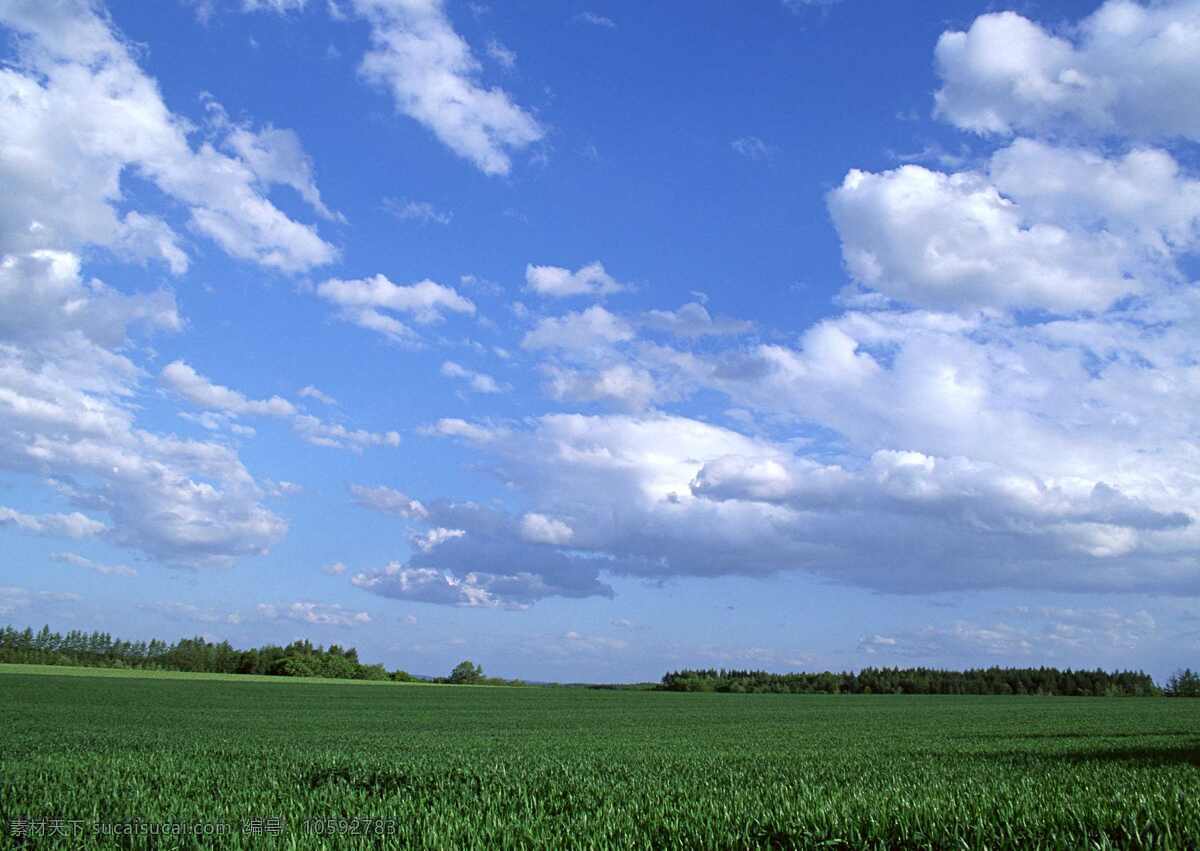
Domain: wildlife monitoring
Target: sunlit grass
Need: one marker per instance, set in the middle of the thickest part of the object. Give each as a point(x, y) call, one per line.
point(561, 768)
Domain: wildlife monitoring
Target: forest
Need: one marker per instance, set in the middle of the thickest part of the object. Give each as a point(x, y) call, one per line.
point(1043, 681)
point(100, 649)
point(304, 659)
point(198, 655)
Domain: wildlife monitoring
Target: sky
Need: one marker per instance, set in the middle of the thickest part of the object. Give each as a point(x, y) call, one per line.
point(594, 340)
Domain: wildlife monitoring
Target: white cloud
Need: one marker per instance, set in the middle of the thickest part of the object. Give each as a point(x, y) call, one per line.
point(1128, 69)
point(334, 569)
point(433, 78)
point(44, 298)
point(310, 392)
point(66, 413)
point(1143, 197)
point(693, 320)
point(1046, 632)
point(362, 300)
point(320, 614)
point(588, 329)
point(621, 385)
point(73, 525)
point(663, 496)
point(426, 300)
point(282, 488)
point(501, 54)
point(388, 500)
point(954, 242)
point(280, 6)
point(540, 529)
point(456, 427)
point(471, 555)
point(277, 158)
point(335, 436)
point(577, 641)
point(198, 390)
point(77, 114)
point(752, 148)
point(596, 20)
point(177, 611)
point(87, 564)
point(14, 598)
point(204, 393)
point(478, 381)
point(417, 211)
point(557, 282)
point(431, 538)
point(426, 586)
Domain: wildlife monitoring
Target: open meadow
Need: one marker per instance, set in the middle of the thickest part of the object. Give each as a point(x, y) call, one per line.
point(245, 764)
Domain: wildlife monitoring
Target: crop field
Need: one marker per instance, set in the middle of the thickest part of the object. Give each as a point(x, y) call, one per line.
point(176, 762)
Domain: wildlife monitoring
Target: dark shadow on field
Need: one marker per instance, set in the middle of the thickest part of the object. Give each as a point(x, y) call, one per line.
point(1147, 755)
point(1160, 734)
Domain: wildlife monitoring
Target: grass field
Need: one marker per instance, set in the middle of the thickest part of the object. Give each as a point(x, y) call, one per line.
point(461, 767)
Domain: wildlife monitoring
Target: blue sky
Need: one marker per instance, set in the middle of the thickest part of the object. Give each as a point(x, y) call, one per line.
point(590, 341)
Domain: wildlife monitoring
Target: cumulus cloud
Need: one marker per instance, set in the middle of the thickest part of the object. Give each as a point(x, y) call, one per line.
point(77, 114)
point(557, 282)
point(433, 78)
point(981, 413)
point(425, 585)
point(46, 299)
point(336, 436)
point(277, 157)
point(457, 427)
point(669, 496)
point(200, 391)
point(197, 389)
point(66, 414)
point(475, 556)
point(540, 529)
point(693, 320)
point(584, 330)
point(1099, 520)
point(953, 242)
point(1128, 69)
point(388, 500)
point(1143, 197)
point(426, 541)
point(622, 385)
point(361, 302)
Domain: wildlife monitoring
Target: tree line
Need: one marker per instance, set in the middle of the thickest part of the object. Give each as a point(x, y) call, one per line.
point(198, 655)
point(100, 649)
point(467, 673)
point(1044, 681)
point(303, 659)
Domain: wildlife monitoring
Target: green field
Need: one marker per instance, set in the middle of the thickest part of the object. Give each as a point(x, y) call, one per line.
point(464, 767)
